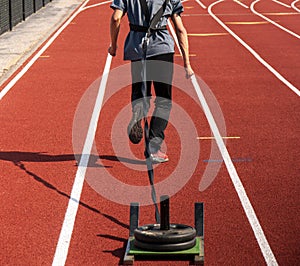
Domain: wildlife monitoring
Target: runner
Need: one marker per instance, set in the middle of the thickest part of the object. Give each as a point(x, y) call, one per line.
point(160, 48)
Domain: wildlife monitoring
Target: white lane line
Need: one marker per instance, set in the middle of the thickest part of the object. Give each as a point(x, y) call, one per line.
point(272, 21)
point(247, 206)
point(65, 236)
point(7, 88)
point(207, 34)
point(63, 244)
point(201, 4)
point(211, 138)
point(280, 3)
point(240, 3)
point(253, 52)
point(293, 5)
point(96, 5)
point(70, 215)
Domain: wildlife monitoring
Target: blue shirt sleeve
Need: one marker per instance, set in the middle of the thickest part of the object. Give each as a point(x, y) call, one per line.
point(177, 6)
point(119, 4)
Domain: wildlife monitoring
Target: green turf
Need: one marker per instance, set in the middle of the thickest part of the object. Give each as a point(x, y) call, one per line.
point(192, 251)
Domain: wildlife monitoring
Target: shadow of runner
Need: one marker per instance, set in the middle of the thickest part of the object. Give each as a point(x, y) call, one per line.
point(122, 159)
point(50, 186)
point(18, 159)
point(17, 156)
point(119, 252)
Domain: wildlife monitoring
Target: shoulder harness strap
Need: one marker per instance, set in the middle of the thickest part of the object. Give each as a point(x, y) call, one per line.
point(153, 22)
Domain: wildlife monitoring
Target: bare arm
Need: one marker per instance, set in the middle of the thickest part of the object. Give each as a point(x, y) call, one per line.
point(183, 43)
point(115, 23)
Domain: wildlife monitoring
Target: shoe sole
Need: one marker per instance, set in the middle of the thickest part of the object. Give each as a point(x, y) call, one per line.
point(135, 132)
point(158, 160)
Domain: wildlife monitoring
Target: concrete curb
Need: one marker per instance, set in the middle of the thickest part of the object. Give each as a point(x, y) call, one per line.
point(17, 45)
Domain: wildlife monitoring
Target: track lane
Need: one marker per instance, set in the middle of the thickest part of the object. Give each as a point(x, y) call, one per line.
point(213, 10)
point(36, 145)
point(104, 144)
point(245, 94)
point(295, 5)
point(280, 16)
point(219, 252)
point(247, 206)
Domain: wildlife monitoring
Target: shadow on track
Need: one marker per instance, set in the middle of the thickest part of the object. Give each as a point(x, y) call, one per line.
point(17, 156)
point(18, 159)
point(119, 252)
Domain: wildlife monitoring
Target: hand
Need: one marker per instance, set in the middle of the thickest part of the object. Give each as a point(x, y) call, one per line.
point(112, 51)
point(189, 72)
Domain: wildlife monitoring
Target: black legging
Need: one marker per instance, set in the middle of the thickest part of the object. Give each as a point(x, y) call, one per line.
point(160, 72)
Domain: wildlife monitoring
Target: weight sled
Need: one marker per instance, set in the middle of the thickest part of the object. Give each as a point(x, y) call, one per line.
point(165, 241)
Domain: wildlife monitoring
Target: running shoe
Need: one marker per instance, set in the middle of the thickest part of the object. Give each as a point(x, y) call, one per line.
point(134, 129)
point(159, 157)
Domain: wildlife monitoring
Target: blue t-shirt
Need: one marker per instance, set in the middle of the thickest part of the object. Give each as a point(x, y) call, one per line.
point(160, 41)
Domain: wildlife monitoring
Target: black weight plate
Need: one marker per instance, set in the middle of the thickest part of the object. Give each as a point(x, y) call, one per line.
point(151, 233)
point(165, 247)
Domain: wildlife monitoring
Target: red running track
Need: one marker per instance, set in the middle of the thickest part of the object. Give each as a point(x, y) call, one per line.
point(41, 119)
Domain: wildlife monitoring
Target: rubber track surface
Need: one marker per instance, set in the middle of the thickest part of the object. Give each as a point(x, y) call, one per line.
point(38, 164)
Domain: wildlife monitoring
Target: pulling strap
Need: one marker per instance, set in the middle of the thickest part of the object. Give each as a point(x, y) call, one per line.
point(152, 26)
point(153, 22)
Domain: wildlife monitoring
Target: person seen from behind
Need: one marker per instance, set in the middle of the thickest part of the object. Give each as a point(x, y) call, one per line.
point(158, 58)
